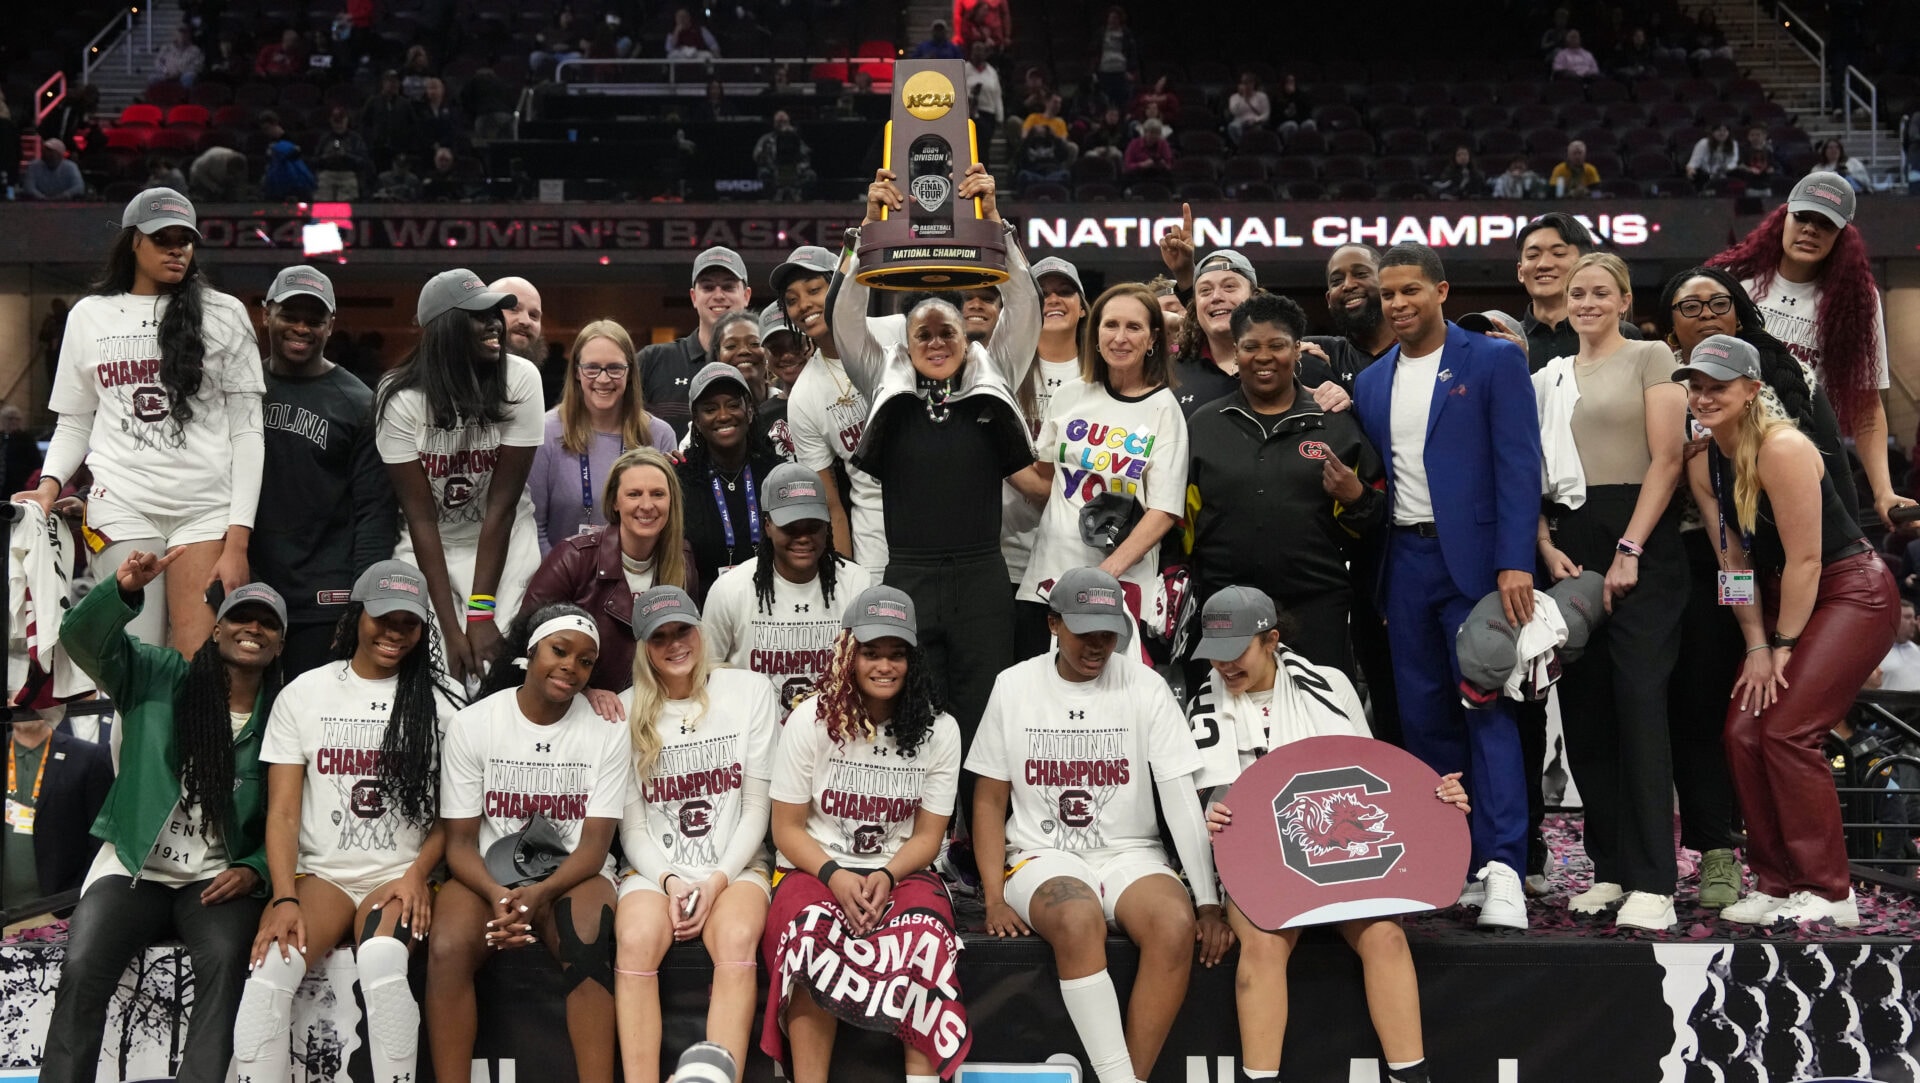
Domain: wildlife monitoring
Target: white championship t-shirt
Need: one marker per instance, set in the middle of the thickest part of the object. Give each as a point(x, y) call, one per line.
point(826, 414)
point(861, 797)
point(1082, 757)
point(497, 764)
point(1413, 380)
point(1792, 312)
point(459, 462)
point(1098, 443)
point(1019, 517)
point(140, 457)
point(185, 851)
point(689, 802)
point(792, 645)
point(334, 722)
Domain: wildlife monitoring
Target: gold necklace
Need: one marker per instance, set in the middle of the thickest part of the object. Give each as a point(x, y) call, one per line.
point(847, 397)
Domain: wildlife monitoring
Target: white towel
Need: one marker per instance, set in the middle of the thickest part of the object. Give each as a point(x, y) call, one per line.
point(39, 586)
point(1556, 392)
point(1537, 648)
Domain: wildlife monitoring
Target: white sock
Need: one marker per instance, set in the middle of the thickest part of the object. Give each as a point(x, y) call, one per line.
point(1393, 1066)
point(1260, 1073)
point(393, 1017)
point(922, 1078)
point(1094, 1008)
point(262, 1028)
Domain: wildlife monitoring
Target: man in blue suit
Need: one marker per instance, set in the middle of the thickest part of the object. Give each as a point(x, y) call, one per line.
point(1453, 416)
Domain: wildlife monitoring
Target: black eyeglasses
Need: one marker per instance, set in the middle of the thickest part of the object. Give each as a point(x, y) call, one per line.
point(1719, 304)
point(594, 372)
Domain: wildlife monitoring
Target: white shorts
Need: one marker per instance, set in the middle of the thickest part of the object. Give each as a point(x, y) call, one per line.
point(359, 888)
point(122, 522)
point(1108, 872)
point(632, 882)
point(522, 560)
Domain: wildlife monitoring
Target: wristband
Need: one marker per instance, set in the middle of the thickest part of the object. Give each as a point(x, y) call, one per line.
point(1781, 642)
point(825, 875)
point(1757, 647)
point(1629, 547)
point(286, 898)
point(474, 615)
point(892, 880)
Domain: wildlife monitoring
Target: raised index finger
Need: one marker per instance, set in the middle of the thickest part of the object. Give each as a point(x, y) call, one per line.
point(1186, 219)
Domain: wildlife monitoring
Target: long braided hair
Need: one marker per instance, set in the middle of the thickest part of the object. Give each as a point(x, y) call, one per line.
point(203, 734)
point(844, 714)
point(409, 770)
point(183, 349)
point(763, 570)
point(1781, 371)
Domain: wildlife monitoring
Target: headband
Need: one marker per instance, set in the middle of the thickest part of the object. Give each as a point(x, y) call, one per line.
point(566, 622)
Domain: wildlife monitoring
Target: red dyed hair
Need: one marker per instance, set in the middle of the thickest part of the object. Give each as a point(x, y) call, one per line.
point(1849, 301)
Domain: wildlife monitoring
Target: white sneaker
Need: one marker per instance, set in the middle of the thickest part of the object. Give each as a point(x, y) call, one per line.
point(1806, 906)
point(1505, 906)
point(1754, 909)
point(1536, 885)
point(1645, 910)
point(1474, 894)
point(1596, 898)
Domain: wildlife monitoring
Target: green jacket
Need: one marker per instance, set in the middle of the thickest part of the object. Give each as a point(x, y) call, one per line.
point(144, 681)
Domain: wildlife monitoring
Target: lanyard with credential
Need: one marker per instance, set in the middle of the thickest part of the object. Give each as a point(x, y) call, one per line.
point(13, 781)
point(726, 517)
point(586, 490)
point(1714, 459)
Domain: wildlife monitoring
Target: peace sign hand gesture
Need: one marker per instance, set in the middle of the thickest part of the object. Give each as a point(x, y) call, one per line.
point(139, 568)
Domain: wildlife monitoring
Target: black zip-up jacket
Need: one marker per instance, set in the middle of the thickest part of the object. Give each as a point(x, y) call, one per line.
point(1260, 515)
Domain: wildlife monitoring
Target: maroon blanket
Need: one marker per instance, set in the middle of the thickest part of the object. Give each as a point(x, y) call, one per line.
point(899, 979)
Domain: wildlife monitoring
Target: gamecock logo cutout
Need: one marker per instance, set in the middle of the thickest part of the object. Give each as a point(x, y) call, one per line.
point(1330, 832)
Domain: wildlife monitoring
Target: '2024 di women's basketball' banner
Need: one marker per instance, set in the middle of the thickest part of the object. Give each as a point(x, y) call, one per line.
point(1336, 828)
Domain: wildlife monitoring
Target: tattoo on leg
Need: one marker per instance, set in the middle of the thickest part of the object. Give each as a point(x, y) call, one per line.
point(1062, 889)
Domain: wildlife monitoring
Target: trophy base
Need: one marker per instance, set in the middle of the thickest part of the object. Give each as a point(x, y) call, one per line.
point(931, 266)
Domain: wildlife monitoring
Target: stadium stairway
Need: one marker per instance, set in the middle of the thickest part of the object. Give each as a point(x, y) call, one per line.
point(120, 87)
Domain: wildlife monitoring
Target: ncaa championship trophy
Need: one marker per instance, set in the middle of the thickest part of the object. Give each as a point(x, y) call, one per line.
point(937, 242)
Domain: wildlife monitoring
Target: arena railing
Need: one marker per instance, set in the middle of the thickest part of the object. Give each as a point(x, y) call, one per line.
point(92, 52)
point(666, 76)
point(1860, 90)
point(1880, 797)
point(1801, 34)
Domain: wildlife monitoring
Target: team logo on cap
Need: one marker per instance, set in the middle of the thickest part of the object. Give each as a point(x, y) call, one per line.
point(1098, 596)
point(931, 191)
point(405, 586)
point(473, 285)
point(886, 609)
point(1821, 191)
point(1330, 832)
point(168, 206)
point(798, 489)
point(1715, 351)
point(1315, 449)
point(1219, 624)
point(659, 604)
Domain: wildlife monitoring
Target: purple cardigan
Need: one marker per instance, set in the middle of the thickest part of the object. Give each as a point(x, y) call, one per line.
point(554, 482)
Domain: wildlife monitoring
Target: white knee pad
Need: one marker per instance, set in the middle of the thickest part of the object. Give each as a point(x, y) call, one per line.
point(393, 1017)
point(261, 1026)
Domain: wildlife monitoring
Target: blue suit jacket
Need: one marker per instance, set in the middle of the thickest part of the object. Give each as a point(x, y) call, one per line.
point(1482, 454)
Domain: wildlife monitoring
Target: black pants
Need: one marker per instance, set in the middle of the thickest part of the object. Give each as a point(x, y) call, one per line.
point(1613, 698)
point(1711, 654)
point(1375, 661)
point(1031, 637)
point(309, 646)
point(966, 629)
point(117, 919)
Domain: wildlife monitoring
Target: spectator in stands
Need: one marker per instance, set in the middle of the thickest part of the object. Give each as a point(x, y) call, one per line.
point(1292, 108)
point(1262, 694)
point(725, 470)
point(414, 73)
point(1461, 178)
point(1149, 156)
point(784, 160)
point(1806, 267)
point(1249, 107)
point(1899, 671)
point(488, 102)
point(1574, 177)
point(1519, 181)
point(1048, 116)
point(985, 22)
point(1159, 93)
point(344, 162)
point(872, 737)
point(697, 860)
point(1067, 881)
point(190, 773)
point(1238, 495)
point(983, 88)
point(1556, 32)
point(1708, 41)
point(715, 105)
point(163, 173)
point(1757, 169)
point(939, 44)
point(328, 512)
point(601, 414)
point(1106, 137)
point(219, 175)
point(1116, 56)
point(584, 766)
point(63, 781)
point(281, 59)
point(228, 63)
point(389, 121)
point(440, 122)
point(559, 41)
point(1634, 58)
point(1828, 603)
point(53, 176)
point(1491, 462)
point(288, 177)
point(444, 183)
point(461, 399)
point(179, 60)
point(1831, 155)
point(1626, 428)
point(398, 184)
point(1572, 60)
point(1714, 154)
point(72, 116)
point(1043, 158)
point(689, 40)
point(667, 368)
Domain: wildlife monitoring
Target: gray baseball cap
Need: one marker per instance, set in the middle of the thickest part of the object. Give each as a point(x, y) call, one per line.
point(1721, 357)
point(157, 208)
point(1054, 265)
point(714, 372)
point(792, 493)
point(1828, 193)
point(724, 258)
point(773, 321)
point(1486, 645)
point(1582, 605)
point(1089, 600)
point(1492, 318)
point(1230, 621)
point(880, 612)
point(655, 609)
point(1226, 259)
point(254, 594)
point(458, 288)
point(297, 280)
point(392, 586)
point(806, 259)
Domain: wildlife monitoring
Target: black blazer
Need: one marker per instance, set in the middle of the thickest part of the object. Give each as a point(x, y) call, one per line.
point(71, 795)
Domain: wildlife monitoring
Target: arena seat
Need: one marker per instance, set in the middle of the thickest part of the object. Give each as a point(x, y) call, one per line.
point(165, 93)
point(191, 115)
point(140, 115)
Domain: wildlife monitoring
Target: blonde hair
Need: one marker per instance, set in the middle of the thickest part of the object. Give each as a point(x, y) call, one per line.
point(1615, 267)
point(1756, 424)
point(650, 698)
point(576, 432)
point(669, 562)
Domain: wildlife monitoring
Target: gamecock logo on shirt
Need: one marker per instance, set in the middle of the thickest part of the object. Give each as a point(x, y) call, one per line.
point(1076, 808)
point(368, 801)
point(149, 403)
point(1315, 449)
point(458, 492)
point(867, 838)
point(1330, 830)
point(696, 819)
